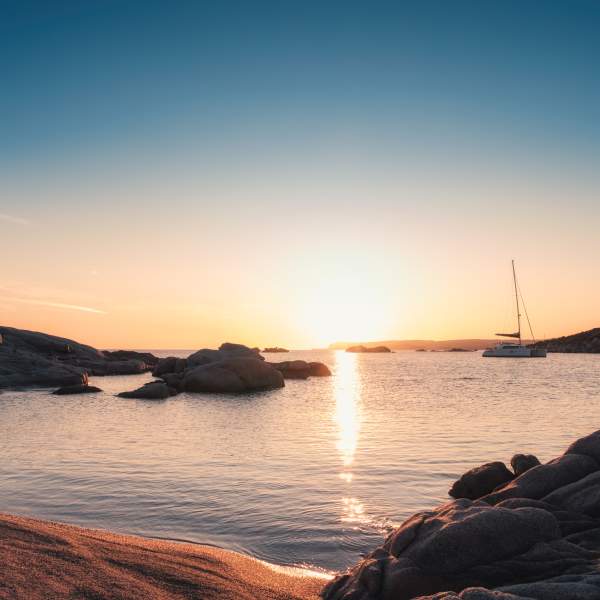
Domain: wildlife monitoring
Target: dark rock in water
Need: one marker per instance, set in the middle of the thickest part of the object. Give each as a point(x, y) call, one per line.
point(233, 375)
point(361, 348)
point(275, 349)
point(171, 364)
point(293, 369)
point(225, 351)
point(319, 369)
point(174, 380)
point(300, 369)
point(30, 359)
point(155, 390)
point(481, 481)
point(121, 355)
point(536, 538)
point(523, 462)
point(81, 388)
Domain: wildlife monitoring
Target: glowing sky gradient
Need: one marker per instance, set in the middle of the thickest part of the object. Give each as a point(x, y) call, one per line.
point(179, 174)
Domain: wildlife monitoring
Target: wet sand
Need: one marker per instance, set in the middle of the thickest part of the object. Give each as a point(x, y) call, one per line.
point(43, 559)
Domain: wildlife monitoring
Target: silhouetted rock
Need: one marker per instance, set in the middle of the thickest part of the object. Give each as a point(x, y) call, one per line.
point(122, 355)
point(368, 349)
point(535, 538)
point(275, 349)
point(155, 390)
point(481, 481)
point(233, 375)
point(293, 369)
point(171, 364)
point(225, 351)
point(81, 388)
point(523, 462)
point(319, 369)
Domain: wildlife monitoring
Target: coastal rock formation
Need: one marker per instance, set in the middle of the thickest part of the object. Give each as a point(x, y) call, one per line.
point(275, 349)
point(225, 351)
point(29, 358)
point(523, 462)
point(155, 390)
point(42, 560)
point(585, 341)
point(233, 375)
point(300, 369)
point(368, 349)
point(82, 388)
point(171, 364)
point(535, 538)
point(481, 481)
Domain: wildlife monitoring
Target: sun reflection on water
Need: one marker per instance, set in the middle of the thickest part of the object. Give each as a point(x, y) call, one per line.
point(348, 417)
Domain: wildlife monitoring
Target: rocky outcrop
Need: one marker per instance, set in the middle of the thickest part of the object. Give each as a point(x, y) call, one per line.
point(81, 388)
point(30, 359)
point(275, 349)
point(368, 349)
point(233, 375)
point(535, 538)
point(300, 369)
point(225, 351)
point(481, 481)
point(121, 355)
point(586, 341)
point(155, 390)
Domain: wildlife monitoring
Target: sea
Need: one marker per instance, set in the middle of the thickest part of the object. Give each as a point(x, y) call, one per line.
point(313, 475)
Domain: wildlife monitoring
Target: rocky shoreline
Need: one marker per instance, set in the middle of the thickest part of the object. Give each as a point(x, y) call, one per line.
point(536, 536)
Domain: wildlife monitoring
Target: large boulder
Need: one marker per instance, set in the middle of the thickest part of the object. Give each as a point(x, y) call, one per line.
point(319, 369)
point(233, 375)
point(300, 369)
point(171, 364)
point(155, 390)
point(535, 538)
point(120, 355)
point(481, 481)
point(225, 351)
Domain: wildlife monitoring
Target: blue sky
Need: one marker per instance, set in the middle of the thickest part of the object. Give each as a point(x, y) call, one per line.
point(425, 129)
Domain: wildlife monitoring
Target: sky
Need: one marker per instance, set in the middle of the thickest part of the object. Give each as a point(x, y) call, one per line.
point(179, 174)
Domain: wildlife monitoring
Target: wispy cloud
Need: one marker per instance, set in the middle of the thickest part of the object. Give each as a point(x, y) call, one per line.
point(60, 305)
point(12, 219)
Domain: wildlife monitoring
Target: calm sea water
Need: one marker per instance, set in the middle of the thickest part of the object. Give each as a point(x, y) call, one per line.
point(314, 474)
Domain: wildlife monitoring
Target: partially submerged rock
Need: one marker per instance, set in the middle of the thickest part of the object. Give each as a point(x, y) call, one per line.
point(233, 375)
point(301, 369)
point(82, 388)
point(535, 538)
point(155, 390)
point(225, 351)
point(481, 481)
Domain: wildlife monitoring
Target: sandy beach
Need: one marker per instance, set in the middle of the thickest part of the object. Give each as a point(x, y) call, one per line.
point(42, 559)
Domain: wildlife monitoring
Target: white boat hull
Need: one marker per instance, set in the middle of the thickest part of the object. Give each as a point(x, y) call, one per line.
point(513, 351)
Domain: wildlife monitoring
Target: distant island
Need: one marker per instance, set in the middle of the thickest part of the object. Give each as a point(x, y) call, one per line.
point(361, 348)
point(275, 349)
point(585, 341)
point(466, 344)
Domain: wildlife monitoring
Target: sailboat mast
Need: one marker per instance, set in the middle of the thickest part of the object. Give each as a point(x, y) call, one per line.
point(517, 299)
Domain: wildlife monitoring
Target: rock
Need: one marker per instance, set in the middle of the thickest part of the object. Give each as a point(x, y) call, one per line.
point(155, 390)
point(81, 388)
point(586, 341)
point(121, 355)
point(361, 348)
point(293, 369)
point(319, 369)
point(523, 462)
point(174, 380)
point(535, 538)
point(275, 349)
point(481, 481)
point(225, 351)
point(30, 358)
point(233, 375)
point(171, 364)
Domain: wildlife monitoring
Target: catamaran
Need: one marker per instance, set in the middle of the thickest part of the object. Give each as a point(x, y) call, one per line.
point(511, 349)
